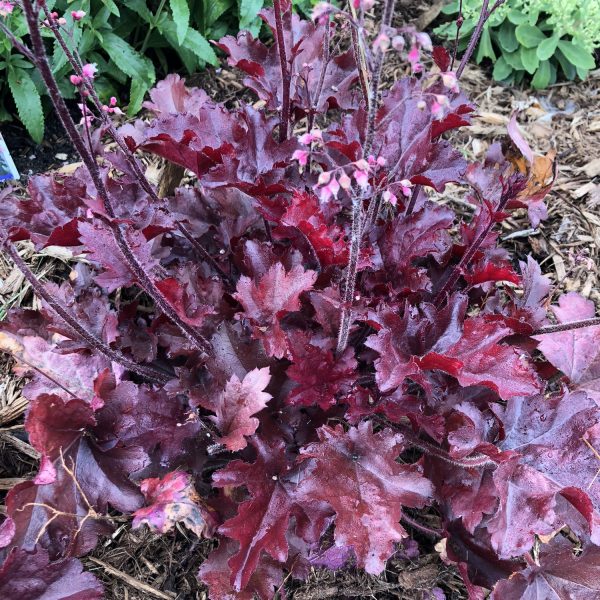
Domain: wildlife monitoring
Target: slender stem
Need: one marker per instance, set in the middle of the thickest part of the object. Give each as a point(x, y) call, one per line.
point(79, 331)
point(469, 462)
point(459, 23)
point(413, 200)
point(358, 50)
point(16, 44)
point(567, 326)
point(286, 79)
point(41, 61)
point(429, 531)
point(466, 258)
point(357, 201)
point(484, 15)
point(350, 283)
point(75, 60)
point(324, 64)
point(152, 26)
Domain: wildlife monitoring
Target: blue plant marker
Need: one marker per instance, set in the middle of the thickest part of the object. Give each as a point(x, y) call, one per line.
point(8, 170)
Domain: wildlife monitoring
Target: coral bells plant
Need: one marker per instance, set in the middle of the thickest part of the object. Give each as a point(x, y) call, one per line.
point(301, 354)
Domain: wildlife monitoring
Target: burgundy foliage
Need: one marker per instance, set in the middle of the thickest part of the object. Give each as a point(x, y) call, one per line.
point(229, 404)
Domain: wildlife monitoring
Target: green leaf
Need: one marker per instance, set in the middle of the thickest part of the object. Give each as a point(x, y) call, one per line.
point(542, 76)
point(139, 87)
point(567, 68)
point(188, 58)
point(548, 47)
point(529, 59)
point(529, 35)
point(112, 7)
point(127, 59)
point(516, 17)
point(582, 73)
point(59, 59)
point(514, 60)
point(501, 69)
point(485, 48)
point(577, 55)
point(181, 17)
point(213, 9)
point(140, 7)
point(197, 43)
point(249, 18)
point(506, 37)
point(28, 102)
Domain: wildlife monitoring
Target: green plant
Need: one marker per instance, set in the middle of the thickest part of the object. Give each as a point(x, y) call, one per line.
point(535, 39)
point(130, 41)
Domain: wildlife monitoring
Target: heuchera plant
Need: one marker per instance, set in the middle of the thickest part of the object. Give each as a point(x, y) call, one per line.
point(302, 352)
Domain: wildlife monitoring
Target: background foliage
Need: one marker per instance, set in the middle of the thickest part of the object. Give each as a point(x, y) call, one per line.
point(541, 40)
point(131, 41)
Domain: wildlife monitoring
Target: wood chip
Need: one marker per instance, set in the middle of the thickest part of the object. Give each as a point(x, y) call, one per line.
point(134, 583)
point(20, 445)
point(592, 169)
point(559, 267)
point(10, 482)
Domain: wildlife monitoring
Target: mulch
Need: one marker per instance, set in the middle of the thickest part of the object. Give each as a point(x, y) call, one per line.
point(141, 565)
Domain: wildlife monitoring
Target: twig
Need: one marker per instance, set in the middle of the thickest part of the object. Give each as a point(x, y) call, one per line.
point(435, 533)
point(20, 445)
point(131, 581)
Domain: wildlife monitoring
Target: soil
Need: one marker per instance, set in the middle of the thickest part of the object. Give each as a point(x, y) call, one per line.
point(138, 564)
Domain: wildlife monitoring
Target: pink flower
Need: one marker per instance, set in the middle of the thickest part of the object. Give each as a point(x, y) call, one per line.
point(345, 181)
point(329, 190)
point(61, 21)
point(424, 41)
point(78, 14)
point(398, 43)
point(405, 186)
point(301, 156)
point(113, 101)
point(421, 105)
point(389, 198)
point(116, 110)
point(308, 138)
point(324, 178)
point(362, 164)
point(6, 8)
point(362, 178)
point(381, 43)
point(450, 80)
point(438, 106)
point(381, 161)
point(75, 80)
point(320, 10)
point(90, 70)
point(414, 55)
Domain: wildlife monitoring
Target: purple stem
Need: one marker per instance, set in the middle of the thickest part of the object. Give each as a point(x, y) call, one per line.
point(80, 332)
point(76, 62)
point(469, 462)
point(41, 61)
point(484, 15)
point(567, 326)
point(357, 200)
point(466, 258)
point(435, 533)
point(285, 72)
point(459, 23)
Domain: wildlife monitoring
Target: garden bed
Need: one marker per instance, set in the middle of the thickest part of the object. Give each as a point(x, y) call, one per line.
point(139, 564)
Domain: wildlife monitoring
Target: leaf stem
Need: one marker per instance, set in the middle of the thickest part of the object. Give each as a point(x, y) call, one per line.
point(286, 79)
point(567, 326)
point(484, 15)
point(80, 332)
point(41, 61)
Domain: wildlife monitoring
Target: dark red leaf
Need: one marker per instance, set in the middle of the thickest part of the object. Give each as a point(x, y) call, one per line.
point(559, 574)
point(31, 576)
point(369, 482)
